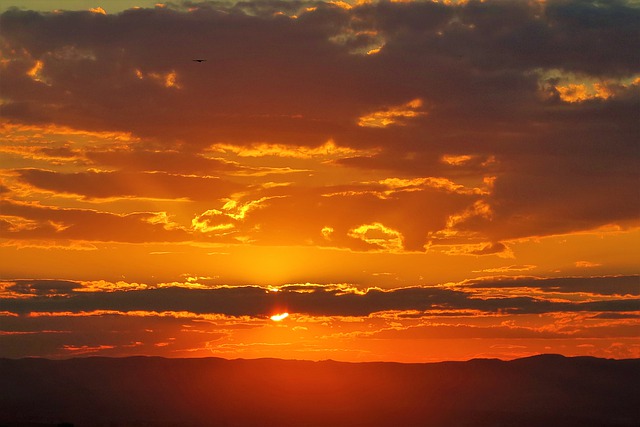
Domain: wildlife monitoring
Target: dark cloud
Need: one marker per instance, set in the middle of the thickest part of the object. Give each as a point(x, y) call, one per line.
point(489, 75)
point(319, 300)
point(591, 37)
point(490, 248)
point(123, 184)
point(251, 85)
point(504, 332)
point(107, 334)
point(65, 152)
point(265, 68)
point(612, 285)
point(172, 161)
point(46, 223)
point(43, 287)
point(238, 301)
point(616, 316)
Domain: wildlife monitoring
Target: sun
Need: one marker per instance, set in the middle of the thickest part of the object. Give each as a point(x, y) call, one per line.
point(279, 317)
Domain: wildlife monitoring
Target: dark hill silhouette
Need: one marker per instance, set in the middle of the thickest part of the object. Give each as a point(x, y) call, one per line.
point(547, 390)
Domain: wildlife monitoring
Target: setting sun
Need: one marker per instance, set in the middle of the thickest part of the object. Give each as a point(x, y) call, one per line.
point(279, 317)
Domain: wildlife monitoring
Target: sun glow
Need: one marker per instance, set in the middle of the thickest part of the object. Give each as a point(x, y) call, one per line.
point(279, 317)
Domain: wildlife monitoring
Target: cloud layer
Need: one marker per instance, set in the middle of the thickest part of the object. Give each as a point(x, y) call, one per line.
point(503, 316)
point(507, 295)
point(414, 146)
point(530, 108)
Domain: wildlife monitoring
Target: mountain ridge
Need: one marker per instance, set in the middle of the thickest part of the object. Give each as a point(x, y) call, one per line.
point(546, 389)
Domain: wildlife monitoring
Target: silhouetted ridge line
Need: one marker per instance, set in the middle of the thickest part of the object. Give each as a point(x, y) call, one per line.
point(547, 390)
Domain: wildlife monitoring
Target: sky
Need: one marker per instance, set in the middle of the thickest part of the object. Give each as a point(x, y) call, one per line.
point(404, 181)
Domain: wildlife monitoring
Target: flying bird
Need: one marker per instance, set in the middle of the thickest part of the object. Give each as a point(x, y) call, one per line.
point(199, 60)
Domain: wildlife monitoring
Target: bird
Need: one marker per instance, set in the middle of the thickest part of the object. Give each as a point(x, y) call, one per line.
point(199, 60)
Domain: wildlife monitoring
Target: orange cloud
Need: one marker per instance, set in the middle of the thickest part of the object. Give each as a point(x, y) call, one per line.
point(98, 10)
point(327, 150)
point(455, 160)
point(392, 115)
point(168, 80)
point(379, 236)
point(36, 73)
point(581, 92)
point(575, 88)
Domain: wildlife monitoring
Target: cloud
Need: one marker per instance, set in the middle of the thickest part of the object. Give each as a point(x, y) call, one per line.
point(28, 221)
point(378, 216)
point(69, 335)
point(315, 300)
point(327, 150)
point(508, 269)
point(392, 115)
point(39, 287)
point(367, 216)
point(587, 264)
point(538, 98)
point(129, 184)
point(479, 249)
point(613, 285)
point(377, 234)
point(171, 161)
point(501, 332)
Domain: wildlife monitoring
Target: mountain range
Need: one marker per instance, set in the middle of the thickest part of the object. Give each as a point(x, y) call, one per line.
point(544, 390)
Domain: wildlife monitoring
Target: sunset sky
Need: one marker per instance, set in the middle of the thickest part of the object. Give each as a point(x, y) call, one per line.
point(410, 181)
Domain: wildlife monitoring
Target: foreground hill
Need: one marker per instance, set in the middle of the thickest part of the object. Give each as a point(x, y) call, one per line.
point(546, 390)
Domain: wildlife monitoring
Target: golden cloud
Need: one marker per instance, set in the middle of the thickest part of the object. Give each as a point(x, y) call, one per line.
point(394, 115)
